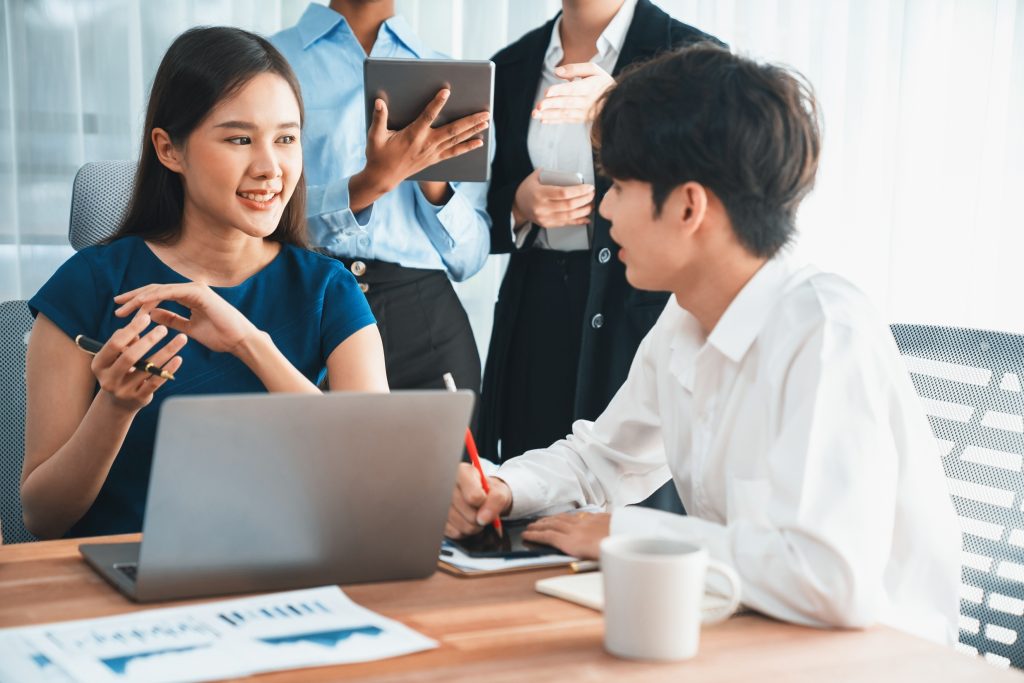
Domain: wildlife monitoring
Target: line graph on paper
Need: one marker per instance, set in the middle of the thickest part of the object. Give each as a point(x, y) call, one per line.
point(118, 644)
point(260, 633)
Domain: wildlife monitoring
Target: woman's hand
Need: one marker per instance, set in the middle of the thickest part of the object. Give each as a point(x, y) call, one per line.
point(552, 206)
point(129, 389)
point(213, 322)
point(573, 102)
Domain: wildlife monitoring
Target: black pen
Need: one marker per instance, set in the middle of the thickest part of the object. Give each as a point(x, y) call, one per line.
point(93, 347)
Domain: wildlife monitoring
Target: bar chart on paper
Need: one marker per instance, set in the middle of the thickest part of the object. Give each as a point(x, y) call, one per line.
point(217, 640)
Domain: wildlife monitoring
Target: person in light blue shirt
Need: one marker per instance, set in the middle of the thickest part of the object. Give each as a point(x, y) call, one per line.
point(404, 240)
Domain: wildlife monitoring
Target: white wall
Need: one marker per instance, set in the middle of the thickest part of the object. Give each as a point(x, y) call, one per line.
point(922, 101)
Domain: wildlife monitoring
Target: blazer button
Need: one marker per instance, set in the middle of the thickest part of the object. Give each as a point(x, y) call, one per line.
point(364, 287)
point(605, 255)
point(597, 322)
point(358, 268)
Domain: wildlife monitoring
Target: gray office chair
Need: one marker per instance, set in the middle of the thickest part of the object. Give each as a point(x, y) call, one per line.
point(99, 200)
point(15, 325)
point(970, 384)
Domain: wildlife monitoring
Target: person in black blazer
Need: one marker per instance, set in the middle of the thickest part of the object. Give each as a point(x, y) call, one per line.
point(566, 323)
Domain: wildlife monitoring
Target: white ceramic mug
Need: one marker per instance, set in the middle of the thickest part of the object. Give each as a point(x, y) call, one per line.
point(654, 594)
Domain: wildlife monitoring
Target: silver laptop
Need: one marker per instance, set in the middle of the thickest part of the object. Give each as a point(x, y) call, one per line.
point(261, 492)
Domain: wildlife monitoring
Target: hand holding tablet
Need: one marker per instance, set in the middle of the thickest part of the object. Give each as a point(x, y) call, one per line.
point(428, 120)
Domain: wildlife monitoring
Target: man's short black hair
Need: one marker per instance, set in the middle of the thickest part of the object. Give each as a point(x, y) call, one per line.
point(746, 131)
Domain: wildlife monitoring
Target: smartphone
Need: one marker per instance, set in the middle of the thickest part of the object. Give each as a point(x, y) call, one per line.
point(510, 545)
point(559, 178)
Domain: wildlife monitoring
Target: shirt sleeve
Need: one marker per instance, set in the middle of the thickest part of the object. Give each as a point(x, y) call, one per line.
point(345, 311)
point(811, 540)
point(329, 212)
point(72, 299)
point(616, 460)
point(460, 230)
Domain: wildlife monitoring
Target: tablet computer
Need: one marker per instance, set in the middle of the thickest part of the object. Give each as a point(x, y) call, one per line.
point(509, 545)
point(408, 85)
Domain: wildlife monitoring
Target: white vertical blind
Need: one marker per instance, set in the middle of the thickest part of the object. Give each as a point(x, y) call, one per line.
point(916, 200)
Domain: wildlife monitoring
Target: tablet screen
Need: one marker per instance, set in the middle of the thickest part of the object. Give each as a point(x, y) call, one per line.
point(488, 543)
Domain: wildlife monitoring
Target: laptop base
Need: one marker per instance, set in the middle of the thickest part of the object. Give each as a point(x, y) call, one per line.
point(110, 560)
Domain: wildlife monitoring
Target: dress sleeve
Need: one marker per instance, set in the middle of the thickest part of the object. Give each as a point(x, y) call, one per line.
point(72, 298)
point(345, 311)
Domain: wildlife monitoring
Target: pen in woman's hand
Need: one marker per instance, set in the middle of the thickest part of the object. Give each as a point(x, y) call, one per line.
point(91, 346)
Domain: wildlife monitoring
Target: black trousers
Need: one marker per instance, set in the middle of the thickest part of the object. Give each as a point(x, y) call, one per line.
point(544, 354)
point(422, 323)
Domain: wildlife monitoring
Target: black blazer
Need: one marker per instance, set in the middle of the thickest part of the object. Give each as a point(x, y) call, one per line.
point(617, 316)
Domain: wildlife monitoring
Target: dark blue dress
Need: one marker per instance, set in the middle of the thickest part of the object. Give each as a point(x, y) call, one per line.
point(308, 303)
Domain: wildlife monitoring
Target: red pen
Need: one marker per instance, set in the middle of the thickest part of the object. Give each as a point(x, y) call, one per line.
point(474, 457)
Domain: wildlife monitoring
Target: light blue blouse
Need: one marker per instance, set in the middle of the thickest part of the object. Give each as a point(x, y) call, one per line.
point(402, 226)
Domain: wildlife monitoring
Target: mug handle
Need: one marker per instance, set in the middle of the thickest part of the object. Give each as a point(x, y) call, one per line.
point(713, 616)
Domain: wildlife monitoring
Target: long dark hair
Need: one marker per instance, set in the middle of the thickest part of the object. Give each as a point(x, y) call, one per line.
point(202, 67)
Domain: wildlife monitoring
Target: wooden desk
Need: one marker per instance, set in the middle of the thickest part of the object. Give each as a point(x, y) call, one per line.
point(499, 629)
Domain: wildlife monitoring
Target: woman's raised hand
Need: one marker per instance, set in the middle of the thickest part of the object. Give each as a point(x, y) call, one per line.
point(575, 100)
point(128, 388)
point(212, 321)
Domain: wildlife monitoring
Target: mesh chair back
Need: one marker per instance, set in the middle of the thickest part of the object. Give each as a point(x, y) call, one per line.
point(15, 325)
point(970, 384)
point(99, 200)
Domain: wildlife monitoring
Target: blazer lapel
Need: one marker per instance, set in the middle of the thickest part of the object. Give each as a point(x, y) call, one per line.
point(649, 32)
point(522, 93)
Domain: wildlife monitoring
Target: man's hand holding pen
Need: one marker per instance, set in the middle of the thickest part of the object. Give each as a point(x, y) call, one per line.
point(472, 509)
point(574, 533)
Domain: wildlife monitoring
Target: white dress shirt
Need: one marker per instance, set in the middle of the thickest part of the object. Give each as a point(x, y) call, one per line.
point(566, 146)
point(798, 447)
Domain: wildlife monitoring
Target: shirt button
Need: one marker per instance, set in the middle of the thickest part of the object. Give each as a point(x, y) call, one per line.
point(597, 322)
point(364, 287)
point(358, 268)
point(605, 255)
point(364, 241)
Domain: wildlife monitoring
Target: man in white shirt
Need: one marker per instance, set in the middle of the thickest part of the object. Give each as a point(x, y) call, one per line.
point(771, 395)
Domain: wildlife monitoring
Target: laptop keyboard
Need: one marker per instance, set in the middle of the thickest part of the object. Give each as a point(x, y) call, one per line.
point(128, 569)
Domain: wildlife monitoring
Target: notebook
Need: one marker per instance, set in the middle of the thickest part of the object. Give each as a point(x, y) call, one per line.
point(583, 589)
point(588, 590)
point(457, 563)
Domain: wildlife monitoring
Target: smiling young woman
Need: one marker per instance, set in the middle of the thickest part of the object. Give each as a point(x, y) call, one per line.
point(212, 247)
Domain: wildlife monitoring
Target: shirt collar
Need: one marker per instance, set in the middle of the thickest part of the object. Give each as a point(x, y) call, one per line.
point(610, 40)
point(319, 20)
point(749, 311)
point(741, 323)
point(401, 30)
point(614, 34)
point(316, 22)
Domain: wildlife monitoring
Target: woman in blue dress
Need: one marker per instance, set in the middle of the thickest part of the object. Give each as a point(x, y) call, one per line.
point(207, 276)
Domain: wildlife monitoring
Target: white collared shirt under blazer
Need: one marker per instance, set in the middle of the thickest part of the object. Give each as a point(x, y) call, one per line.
point(799, 449)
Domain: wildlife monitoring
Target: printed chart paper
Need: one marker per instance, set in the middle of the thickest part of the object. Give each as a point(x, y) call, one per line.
point(229, 638)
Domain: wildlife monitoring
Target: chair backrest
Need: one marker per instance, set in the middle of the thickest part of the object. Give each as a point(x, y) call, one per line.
point(15, 325)
point(970, 384)
point(99, 200)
